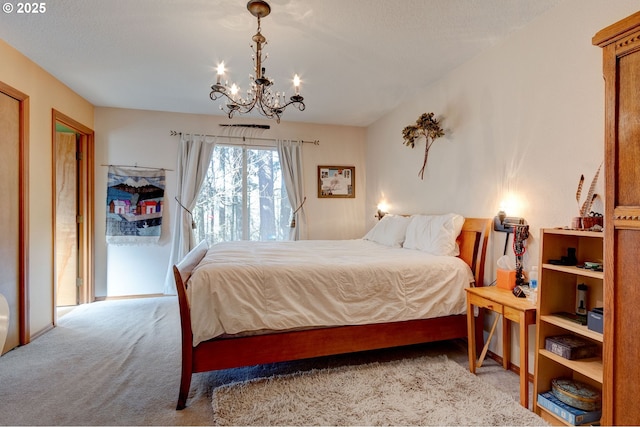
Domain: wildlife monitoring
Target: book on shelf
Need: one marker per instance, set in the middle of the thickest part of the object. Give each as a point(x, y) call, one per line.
point(575, 318)
point(571, 346)
point(573, 416)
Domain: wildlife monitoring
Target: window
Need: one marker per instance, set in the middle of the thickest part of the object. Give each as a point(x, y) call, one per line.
point(243, 197)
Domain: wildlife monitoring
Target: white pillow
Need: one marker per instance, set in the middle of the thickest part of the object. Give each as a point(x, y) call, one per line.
point(435, 234)
point(192, 259)
point(389, 231)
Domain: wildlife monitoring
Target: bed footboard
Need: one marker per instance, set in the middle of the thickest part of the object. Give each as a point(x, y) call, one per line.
point(181, 273)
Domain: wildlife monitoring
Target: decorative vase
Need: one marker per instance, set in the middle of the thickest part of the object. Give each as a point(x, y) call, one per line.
point(586, 222)
point(576, 223)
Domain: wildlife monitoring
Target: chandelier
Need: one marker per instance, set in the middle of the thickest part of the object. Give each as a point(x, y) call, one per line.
point(270, 104)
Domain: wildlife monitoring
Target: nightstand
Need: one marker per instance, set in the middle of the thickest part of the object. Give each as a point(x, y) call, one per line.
point(512, 309)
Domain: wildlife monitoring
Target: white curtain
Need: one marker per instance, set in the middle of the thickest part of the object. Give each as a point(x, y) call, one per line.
point(194, 157)
point(290, 153)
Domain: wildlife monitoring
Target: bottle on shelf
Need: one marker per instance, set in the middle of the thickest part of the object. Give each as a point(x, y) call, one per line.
point(533, 284)
point(581, 300)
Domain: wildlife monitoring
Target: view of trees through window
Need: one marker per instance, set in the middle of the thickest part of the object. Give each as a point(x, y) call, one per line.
point(243, 197)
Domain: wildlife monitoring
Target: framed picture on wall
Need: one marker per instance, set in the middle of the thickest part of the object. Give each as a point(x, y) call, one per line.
point(336, 182)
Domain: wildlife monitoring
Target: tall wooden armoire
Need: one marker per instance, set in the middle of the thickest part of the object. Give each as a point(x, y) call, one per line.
point(621, 358)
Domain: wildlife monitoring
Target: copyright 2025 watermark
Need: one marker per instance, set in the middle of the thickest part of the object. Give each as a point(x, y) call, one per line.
point(32, 8)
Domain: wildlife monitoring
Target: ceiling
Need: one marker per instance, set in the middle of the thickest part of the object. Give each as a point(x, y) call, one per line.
point(358, 59)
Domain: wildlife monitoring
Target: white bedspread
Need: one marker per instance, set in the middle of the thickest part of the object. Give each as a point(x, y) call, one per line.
point(252, 286)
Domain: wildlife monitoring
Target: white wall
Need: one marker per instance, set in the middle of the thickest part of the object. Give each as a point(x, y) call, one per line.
point(525, 118)
point(45, 93)
point(136, 137)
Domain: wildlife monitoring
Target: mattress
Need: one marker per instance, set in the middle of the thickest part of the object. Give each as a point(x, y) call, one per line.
point(245, 286)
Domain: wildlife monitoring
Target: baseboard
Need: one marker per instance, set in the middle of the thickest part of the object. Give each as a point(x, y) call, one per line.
point(511, 367)
point(41, 332)
point(120, 297)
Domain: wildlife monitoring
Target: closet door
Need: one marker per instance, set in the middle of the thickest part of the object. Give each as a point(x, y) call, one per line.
point(10, 213)
point(621, 44)
point(66, 220)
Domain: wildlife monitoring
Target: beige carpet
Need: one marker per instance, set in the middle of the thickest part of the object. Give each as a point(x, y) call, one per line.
point(118, 363)
point(420, 391)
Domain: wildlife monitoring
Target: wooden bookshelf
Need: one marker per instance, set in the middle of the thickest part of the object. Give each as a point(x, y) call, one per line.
point(557, 293)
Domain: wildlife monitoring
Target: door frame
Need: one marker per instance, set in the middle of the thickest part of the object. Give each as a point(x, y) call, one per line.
point(23, 212)
point(86, 204)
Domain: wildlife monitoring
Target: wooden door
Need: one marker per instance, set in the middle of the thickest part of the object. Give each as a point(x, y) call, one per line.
point(10, 214)
point(73, 185)
point(66, 233)
point(621, 59)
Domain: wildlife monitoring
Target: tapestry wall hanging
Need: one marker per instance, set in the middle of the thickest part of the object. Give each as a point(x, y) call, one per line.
point(134, 205)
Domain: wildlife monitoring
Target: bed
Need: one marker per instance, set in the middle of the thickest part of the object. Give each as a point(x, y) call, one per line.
point(275, 332)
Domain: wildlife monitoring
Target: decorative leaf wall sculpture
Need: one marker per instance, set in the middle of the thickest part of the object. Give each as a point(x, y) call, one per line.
point(426, 126)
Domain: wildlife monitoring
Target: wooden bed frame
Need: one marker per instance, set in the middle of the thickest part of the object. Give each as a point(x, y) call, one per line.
point(233, 352)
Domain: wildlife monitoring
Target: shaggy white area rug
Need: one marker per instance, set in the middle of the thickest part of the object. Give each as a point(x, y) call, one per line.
point(420, 391)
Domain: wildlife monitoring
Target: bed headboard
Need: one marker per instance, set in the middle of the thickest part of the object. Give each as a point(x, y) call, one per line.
point(473, 245)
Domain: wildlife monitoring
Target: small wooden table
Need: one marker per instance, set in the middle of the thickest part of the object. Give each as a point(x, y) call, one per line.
point(519, 310)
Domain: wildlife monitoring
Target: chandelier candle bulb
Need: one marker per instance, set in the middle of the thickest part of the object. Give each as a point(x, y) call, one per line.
point(296, 83)
point(234, 92)
point(220, 72)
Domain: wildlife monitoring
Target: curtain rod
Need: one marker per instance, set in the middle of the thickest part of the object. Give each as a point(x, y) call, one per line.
point(244, 138)
point(136, 166)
